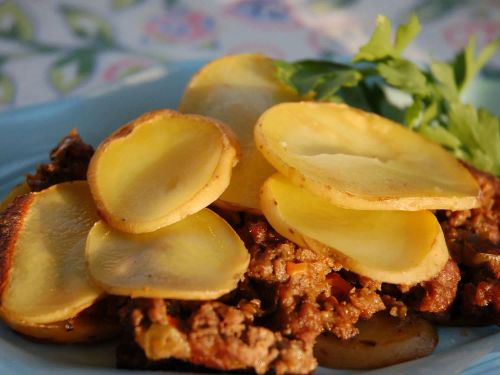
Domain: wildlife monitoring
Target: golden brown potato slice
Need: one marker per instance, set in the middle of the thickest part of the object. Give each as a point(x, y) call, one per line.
point(161, 168)
point(200, 257)
point(17, 190)
point(236, 90)
point(91, 325)
point(382, 341)
point(362, 161)
point(42, 255)
point(400, 247)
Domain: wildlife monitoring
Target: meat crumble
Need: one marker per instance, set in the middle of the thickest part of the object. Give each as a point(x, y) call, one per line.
point(69, 161)
point(473, 239)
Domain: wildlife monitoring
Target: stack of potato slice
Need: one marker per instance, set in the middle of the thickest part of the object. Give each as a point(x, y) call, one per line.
point(236, 90)
point(356, 186)
point(150, 182)
point(350, 181)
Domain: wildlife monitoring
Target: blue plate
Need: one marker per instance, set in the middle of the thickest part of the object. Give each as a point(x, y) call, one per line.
point(28, 134)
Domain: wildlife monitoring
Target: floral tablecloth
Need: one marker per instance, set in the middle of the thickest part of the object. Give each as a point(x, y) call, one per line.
point(53, 48)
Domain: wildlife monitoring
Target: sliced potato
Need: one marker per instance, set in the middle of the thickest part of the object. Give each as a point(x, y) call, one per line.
point(200, 257)
point(382, 341)
point(400, 247)
point(17, 190)
point(161, 168)
point(362, 161)
point(88, 326)
point(236, 90)
point(42, 252)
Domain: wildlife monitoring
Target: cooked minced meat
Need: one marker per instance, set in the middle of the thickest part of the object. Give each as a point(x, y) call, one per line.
point(473, 239)
point(69, 161)
point(288, 297)
point(437, 294)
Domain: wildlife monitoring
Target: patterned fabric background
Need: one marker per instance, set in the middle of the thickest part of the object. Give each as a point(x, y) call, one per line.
point(53, 48)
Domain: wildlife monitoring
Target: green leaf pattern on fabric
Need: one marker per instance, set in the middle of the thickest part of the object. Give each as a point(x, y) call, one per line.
point(6, 89)
point(124, 4)
point(48, 30)
point(71, 70)
point(14, 23)
point(84, 24)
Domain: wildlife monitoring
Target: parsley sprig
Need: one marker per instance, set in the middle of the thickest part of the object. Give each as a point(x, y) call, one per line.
point(433, 105)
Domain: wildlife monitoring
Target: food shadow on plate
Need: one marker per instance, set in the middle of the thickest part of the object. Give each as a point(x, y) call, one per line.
point(16, 348)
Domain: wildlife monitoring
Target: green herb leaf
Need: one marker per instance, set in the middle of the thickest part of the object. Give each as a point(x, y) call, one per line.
point(445, 80)
point(413, 114)
point(380, 44)
point(466, 65)
point(328, 89)
point(405, 34)
point(308, 76)
point(404, 75)
point(442, 136)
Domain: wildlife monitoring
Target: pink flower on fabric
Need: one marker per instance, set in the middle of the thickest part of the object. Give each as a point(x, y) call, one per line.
point(124, 68)
point(181, 26)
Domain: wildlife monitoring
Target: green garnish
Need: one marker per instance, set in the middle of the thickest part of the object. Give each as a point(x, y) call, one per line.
point(433, 107)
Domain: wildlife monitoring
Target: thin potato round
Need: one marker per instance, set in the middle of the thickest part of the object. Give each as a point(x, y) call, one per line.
point(88, 326)
point(161, 168)
point(42, 252)
point(16, 191)
point(362, 161)
point(199, 257)
point(382, 341)
point(401, 247)
point(236, 90)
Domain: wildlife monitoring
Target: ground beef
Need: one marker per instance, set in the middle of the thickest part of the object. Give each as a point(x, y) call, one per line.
point(435, 295)
point(289, 296)
point(211, 334)
point(68, 162)
point(310, 295)
point(484, 220)
point(473, 239)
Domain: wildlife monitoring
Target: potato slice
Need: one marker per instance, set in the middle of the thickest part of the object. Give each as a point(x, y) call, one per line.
point(17, 190)
point(42, 244)
point(236, 90)
point(81, 331)
point(200, 257)
point(91, 325)
point(400, 247)
point(362, 161)
point(161, 168)
point(382, 341)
